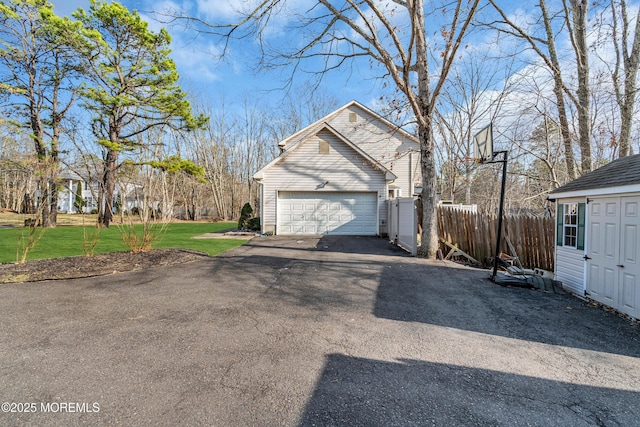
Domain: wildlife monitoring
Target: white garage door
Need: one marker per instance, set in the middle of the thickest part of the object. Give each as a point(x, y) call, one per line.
point(327, 213)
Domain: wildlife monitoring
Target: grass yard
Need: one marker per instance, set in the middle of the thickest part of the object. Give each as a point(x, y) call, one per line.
point(66, 241)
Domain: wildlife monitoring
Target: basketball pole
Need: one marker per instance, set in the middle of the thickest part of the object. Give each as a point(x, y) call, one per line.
point(501, 208)
point(483, 142)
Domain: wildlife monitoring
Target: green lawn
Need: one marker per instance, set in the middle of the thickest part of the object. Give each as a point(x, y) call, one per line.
point(68, 240)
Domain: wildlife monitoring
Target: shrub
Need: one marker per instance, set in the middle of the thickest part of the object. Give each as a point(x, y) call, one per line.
point(254, 223)
point(245, 215)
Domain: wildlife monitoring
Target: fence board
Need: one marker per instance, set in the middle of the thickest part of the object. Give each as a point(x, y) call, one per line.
point(475, 233)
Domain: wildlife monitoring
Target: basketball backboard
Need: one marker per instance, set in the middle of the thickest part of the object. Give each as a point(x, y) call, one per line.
point(483, 144)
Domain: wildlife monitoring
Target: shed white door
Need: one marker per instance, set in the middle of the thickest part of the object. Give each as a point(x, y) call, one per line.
point(603, 247)
point(613, 272)
point(327, 213)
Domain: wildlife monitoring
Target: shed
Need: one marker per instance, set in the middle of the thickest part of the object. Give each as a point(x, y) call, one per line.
point(598, 235)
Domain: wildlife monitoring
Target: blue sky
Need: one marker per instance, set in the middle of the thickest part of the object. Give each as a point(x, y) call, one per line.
point(203, 75)
point(210, 80)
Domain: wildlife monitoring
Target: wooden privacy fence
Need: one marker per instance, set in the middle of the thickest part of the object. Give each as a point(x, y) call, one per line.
point(475, 233)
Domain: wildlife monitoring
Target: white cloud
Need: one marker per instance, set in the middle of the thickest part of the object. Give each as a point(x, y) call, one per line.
point(197, 61)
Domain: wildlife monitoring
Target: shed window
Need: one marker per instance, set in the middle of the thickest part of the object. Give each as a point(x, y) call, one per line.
point(571, 221)
point(323, 147)
point(571, 224)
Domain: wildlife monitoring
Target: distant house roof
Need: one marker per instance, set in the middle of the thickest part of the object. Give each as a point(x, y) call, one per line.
point(67, 174)
point(619, 176)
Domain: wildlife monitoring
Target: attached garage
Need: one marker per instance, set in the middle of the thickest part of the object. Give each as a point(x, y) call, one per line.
point(335, 175)
point(341, 213)
point(598, 235)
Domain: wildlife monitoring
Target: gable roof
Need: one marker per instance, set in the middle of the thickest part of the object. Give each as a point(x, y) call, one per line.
point(389, 176)
point(621, 175)
point(312, 128)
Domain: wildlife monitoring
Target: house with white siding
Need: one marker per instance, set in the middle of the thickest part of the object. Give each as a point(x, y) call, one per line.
point(335, 175)
point(68, 192)
point(597, 251)
point(129, 195)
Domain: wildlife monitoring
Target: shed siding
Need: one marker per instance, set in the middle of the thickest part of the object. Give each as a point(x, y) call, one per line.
point(570, 268)
point(304, 169)
point(570, 261)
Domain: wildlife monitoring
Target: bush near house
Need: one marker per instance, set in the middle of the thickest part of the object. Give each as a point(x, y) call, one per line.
point(253, 224)
point(245, 215)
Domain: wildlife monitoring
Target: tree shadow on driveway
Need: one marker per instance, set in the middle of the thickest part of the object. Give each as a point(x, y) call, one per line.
point(326, 272)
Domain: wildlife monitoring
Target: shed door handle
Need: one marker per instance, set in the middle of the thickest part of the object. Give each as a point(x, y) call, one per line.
point(586, 257)
point(620, 265)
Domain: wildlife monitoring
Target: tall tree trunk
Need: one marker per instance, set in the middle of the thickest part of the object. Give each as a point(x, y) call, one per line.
point(631, 63)
point(108, 183)
point(429, 243)
point(558, 90)
point(579, 9)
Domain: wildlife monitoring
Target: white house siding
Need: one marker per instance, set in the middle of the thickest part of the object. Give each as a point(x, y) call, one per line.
point(67, 197)
point(569, 262)
point(384, 142)
point(304, 169)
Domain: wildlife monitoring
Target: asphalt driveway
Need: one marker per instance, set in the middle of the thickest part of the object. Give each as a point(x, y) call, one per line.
point(313, 331)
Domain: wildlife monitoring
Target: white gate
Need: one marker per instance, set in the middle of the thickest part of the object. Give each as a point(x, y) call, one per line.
point(403, 224)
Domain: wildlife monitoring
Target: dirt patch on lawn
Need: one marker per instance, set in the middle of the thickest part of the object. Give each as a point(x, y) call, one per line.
point(97, 265)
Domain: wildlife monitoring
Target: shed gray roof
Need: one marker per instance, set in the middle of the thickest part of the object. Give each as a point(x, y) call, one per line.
point(623, 171)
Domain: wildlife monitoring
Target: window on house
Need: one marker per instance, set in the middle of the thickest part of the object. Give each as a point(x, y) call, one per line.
point(323, 147)
point(570, 225)
point(353, 117)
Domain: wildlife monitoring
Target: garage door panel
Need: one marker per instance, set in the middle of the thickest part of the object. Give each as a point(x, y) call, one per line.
point(327, 213)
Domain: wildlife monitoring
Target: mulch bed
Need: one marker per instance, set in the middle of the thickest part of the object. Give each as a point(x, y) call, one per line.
point(96, 265)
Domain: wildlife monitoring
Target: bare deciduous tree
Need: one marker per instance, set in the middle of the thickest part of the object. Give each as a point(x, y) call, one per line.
point(394, 35)
point(625, 70)
point(573, 16)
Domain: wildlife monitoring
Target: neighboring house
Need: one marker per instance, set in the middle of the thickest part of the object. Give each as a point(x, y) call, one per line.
point(70, 181)
point(598, 235)
point(90, 189)
point(335, 175)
